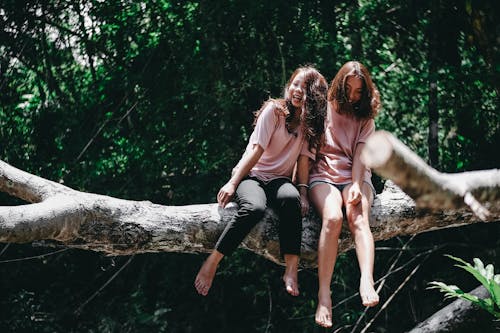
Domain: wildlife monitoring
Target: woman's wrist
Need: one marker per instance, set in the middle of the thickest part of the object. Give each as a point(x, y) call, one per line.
point(233, 181)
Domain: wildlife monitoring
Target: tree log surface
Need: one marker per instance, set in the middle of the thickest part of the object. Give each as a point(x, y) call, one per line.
point(59, 215)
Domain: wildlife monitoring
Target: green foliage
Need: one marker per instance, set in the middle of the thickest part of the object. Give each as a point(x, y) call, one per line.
point(153, 100)
point(486, 276)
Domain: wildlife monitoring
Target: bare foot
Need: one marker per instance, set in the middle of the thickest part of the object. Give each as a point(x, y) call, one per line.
point(205, 276)
point(291, 284)
point(291, 271)
point(324, 311)
point(369, 296)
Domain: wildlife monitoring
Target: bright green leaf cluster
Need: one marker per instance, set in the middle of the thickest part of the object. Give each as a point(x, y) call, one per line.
point(488, 279)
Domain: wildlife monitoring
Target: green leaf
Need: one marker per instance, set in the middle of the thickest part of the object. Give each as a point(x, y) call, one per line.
point(469, 268)
point(489, 272)
point(495, 292)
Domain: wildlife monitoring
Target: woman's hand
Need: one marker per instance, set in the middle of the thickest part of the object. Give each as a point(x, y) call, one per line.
point(226, 194)
point(304, 204)
point(354, 195)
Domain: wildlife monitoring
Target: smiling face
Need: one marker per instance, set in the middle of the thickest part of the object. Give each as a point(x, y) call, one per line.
point(296, 92)
point(353, 89)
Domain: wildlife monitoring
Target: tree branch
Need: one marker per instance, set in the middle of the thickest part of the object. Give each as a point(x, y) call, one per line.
point(123, 227)
point(453, 317)
point(26, 186)
point(390, 158)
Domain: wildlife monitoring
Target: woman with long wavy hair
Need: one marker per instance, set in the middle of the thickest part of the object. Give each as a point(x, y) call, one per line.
point(286, 133)
point(339, 178)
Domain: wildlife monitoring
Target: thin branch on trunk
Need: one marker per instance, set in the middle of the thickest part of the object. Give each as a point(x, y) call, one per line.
point(452, 317)
point(478, 190)
point(123, 227)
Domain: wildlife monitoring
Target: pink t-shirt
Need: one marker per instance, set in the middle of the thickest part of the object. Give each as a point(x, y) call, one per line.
point(281, 149)
point(342, 134)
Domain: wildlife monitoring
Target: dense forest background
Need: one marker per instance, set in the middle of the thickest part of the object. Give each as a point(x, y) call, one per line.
point(153, 100)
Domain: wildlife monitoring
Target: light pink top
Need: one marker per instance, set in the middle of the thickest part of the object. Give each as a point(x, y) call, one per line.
point(281, 149)
point(342, 134)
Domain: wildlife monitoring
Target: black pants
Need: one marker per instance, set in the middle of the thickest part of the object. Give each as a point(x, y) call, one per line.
point(253, 196)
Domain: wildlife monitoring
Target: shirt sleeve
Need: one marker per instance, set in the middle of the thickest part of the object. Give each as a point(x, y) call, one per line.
point(308, 152)
point(265, 126)
point(367, 129)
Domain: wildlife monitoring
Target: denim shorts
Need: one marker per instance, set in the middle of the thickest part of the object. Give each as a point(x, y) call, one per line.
point(340, 187)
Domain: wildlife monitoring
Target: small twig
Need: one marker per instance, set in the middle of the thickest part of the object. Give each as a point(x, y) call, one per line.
point(270, 307)
point(80, 308)
point(390, 68)
point(128, 112)
point(409, 262)
point(391, 298)
point(390, 273)
point(91, 140)
point(381, 285)
point(102, 127)
point(482, 212)
point(4, 248)
point(34, 257)
point(341, 328)
point(283, 67)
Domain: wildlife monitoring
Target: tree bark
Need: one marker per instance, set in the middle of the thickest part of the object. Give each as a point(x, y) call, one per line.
point(458, 316)
point(60, 215)
point(478, 190)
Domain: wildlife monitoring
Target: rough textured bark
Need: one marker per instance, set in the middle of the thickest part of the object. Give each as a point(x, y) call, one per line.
point(458, 316)
point(478, 190)
point(96, 222)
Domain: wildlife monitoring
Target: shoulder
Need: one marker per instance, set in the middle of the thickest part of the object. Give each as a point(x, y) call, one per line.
point(277, 106)
point(369, 122)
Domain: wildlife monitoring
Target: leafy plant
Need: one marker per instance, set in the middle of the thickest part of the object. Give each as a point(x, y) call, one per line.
point(488, 279)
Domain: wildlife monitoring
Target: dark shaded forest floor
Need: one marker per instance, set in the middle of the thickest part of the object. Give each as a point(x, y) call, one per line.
point(68, 291)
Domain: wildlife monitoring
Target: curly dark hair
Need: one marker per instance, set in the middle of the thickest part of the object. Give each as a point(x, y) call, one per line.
point(369, 104)
point(314, 106)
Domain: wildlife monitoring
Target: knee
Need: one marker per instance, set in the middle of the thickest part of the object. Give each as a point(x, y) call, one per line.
point(253, 209)
point(332, 225)
point(289, 202)
point(356, 223)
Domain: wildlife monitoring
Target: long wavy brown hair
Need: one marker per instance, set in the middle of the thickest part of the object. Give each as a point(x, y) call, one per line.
point(369, 104)
point(314, 105)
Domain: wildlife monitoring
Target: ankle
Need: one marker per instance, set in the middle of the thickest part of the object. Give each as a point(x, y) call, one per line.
point(214, 259)
point(291, 263)
point(366, 278)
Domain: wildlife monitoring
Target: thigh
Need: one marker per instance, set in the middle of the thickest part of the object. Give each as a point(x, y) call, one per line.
point(283, 189)
point(363, 208)
point(250, 193)
point(327, 200)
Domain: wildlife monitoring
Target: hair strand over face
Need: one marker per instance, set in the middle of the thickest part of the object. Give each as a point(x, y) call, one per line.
point(315, 105)
point(369, 104)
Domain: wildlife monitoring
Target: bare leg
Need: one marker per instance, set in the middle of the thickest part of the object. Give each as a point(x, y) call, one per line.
point(328, 202)
point(358, 219)
point(206, 274)
point(290, 277)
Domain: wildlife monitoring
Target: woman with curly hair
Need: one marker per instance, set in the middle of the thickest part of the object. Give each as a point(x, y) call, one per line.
point(339, 178)
point(285, 134)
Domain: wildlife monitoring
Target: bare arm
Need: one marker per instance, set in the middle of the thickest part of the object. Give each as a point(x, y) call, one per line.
point(248, 161)
point(358, 172)
point(303, 178)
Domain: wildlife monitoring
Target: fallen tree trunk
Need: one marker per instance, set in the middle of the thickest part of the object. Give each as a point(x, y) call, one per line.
point(458, 316)
point(478, 190)
point(59, 214)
